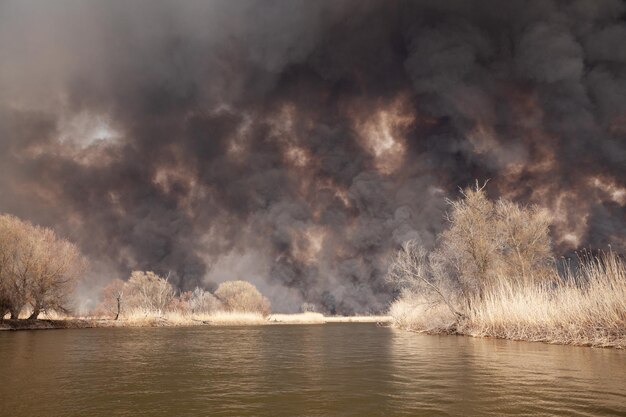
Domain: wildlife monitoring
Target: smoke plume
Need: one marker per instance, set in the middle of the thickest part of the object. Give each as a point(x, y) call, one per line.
point(296, 144)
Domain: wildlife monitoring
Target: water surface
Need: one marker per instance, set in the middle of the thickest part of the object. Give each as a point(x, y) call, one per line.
point(300, 370)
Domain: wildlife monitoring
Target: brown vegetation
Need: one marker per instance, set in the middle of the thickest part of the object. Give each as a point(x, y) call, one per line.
point(38, 269)
point(242, 296)
point(147, 296)
point(493, 274)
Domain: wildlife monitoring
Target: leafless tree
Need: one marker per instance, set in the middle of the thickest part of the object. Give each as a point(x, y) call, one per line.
point(112, 296)
point(524, 240)
point(58, 266)
point(487, 243)
point(203, 302)
point(411, 272)
point(149, 292)
point(17, 262)
point(36, 267)
point(242, 296)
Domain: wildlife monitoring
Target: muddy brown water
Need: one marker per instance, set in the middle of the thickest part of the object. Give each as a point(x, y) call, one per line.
point(342, 369)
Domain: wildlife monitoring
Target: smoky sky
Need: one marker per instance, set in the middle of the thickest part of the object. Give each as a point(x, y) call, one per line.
point(296, 144)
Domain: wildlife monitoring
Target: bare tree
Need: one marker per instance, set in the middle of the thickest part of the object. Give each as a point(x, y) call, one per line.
point(57, 268)
point(17, 262)
point(149, 292)
point(36, 267)
point(469, 245)
point(112, 296)
point(203, 302)
point(487, 243)
point(524, 240)
point(242, 296)
point(7, 248)
point(411, 273)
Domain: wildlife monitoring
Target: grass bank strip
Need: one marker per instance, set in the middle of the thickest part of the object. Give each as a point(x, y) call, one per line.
point(179, 320)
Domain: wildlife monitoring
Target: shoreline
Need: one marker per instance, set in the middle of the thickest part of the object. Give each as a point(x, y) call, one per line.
point(271, 320)
point(156, 321)
point(613, 344)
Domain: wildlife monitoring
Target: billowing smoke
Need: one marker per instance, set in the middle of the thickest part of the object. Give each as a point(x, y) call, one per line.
point(295, 144)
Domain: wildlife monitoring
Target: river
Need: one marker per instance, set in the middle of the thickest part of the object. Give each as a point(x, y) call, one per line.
point(300, 370)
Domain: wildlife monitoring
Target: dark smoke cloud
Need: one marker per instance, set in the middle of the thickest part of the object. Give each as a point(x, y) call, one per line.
point(295, 144)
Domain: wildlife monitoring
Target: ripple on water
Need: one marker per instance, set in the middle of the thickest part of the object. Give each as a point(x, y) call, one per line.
point(291, 370)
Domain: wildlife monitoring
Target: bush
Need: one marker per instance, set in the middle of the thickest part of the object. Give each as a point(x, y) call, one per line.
point(488, 242)
point(148, 292)
point(203, 302)
point(242, 296)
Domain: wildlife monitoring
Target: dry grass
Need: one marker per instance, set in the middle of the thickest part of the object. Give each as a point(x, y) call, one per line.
point(586, 309)
point(318, 318)
point(358, 319)
point(174, 318)
point(147, 318)
point(302, 318)
point(234, 318)
point(414, 313)
point(143, 318)
point(589, 309)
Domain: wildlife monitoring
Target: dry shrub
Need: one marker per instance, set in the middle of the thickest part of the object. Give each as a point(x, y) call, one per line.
point(242, 296)
point(145, 293)
point(111, 299)
point(413, 272)
point(493, 274)
point(488, 242)
point(142, 318)
point(203, 302)
point(147, 296)
point(414, 312)
point(149, 292)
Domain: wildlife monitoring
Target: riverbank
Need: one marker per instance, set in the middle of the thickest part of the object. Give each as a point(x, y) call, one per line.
point(569, 335)
point(565, 313)
point(177, 320)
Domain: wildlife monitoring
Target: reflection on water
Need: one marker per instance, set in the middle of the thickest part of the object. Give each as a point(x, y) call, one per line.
point(291, 370)
point(467, 376)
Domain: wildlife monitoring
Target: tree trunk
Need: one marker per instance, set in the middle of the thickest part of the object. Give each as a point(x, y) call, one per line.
point(35, 313)
point(119, 301)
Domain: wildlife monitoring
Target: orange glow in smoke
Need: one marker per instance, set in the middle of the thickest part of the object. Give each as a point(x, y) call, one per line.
point(383, 134)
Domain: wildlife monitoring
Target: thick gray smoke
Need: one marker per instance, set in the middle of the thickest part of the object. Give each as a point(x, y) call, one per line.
point(295, 144)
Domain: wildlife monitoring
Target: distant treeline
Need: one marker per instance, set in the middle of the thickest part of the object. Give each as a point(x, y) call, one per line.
point(147, 294)
point(39, 272)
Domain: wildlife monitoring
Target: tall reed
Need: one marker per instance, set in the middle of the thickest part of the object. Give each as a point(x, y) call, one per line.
point(585, 305)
